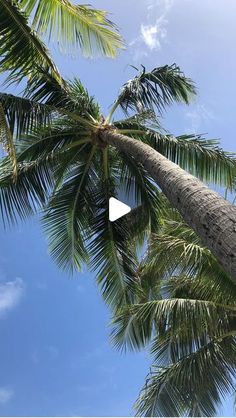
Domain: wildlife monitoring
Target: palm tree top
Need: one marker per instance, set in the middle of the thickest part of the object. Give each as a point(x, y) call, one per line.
point(64, 167)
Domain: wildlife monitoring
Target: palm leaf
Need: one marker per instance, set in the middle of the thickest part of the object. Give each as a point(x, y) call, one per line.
point(21, 51)
point(74, 25)
point(66, 218)
point(6, 140)
point(22, 196)
point(194, 386)
point(134, 326)
point(201, 157)
point(24, 115)
point(135, 182)
point(112, 256)
point(66, 98)
point(157, 88)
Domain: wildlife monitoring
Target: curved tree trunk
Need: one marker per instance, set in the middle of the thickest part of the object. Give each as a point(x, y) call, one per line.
point(212, 217)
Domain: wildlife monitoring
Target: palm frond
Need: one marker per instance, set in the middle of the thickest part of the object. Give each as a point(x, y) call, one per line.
point(190, 319)
point(188, 262)
point(74, 25)
point(21, 51)
point(157, 88)
point(58, 138)
point(201, 157)
point(194, 386)
point(24, 115)
point(22, 196)
point(212, 284)
point(67, 98)
point(40, 165)
point(6, 139)
point(136, 184)
point(112, 256)
point(66, 218)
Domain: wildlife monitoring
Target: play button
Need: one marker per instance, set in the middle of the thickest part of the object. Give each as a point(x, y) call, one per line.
point(117, 209)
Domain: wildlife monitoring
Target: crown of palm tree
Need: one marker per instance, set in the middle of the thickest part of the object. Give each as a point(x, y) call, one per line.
point(185, 312)
point(23, 54)
point(64, 168)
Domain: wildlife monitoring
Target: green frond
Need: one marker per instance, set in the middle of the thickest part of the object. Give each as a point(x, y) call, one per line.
point(21, 51)
point(187, 319)
point(74, 26)
point(38, 172)
point(193, 386)
point(67, 98)
point(6, 139)
point(24, 115)
point(56, 139)
point(139, 122)
point(201, 157)
point(156, 89)
point(136, 184)
point(24, 195)
point(187, 257)
point(212, 284)
point(66, 218)
point(112, 256)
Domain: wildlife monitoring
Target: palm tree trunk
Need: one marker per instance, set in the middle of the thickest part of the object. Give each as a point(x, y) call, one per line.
point(212, 217)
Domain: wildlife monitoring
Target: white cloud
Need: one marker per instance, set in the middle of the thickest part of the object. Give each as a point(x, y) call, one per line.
point(198, 117)
point(5, 395)
point(153, 32)
point(152, 35)
point(10, 294)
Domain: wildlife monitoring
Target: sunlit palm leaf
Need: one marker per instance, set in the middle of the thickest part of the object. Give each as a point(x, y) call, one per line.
point(74, 25)
point(21, 51)
point(135, 325)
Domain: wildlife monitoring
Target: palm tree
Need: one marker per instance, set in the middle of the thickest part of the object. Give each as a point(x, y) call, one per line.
point(65, 166)
point(185, 312)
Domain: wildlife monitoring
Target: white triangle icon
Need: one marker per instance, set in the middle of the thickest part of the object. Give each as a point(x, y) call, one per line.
point(117, 209)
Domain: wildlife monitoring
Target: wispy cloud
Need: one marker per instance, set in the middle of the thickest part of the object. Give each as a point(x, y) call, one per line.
point(152, 35)
point(10, 294)
point(5, 395)
point(197, 117)
point(153, 31)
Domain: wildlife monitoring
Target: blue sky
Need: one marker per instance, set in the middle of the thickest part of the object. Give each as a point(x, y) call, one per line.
point(55, 355)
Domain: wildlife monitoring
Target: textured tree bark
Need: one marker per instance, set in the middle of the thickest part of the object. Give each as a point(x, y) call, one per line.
point(211, 216)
